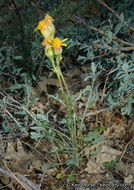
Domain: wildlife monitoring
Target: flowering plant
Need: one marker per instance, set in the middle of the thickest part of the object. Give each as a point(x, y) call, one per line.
point(53, 50)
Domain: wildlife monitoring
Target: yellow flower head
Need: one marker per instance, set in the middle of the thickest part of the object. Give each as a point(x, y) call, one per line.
point(47, 41)
point(57, 48)
point(48, 47)
point(46, 26)
point(58, 43)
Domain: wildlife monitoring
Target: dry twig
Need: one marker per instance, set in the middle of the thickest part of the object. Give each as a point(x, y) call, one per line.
point(118, 50)
point(97, 112)
point(106, 34)
point(117, 16)
point(126, 148)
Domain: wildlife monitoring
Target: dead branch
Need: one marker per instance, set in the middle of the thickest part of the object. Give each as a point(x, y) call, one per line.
point(97, 112)
point(117, 16)
point(126, 148)
point(105, 34)
point(118, 50)
point(114, 37)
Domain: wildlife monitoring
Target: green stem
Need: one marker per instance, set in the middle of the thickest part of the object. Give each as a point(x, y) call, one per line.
point(74, 138)
point(66, 87)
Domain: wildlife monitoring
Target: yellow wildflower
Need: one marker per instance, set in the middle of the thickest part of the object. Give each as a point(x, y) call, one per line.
point(46, 26)
point(57, 43)
point(48, 47)
point(47, 42)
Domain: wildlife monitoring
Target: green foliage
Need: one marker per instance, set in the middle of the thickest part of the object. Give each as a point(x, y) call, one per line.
point(93, 138)
point(60, 175)
point(4, 128)
point(118, 65)
point(71, 176)
point(113, 163)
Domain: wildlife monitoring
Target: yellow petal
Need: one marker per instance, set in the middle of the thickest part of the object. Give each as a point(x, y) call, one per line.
point(36, 29)
point(64, 45)
point(56, 42)
point(65, 40)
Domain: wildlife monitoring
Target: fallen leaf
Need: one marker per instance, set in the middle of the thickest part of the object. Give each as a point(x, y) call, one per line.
point(106, 154)
point(93, 167)
point(129, 179)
